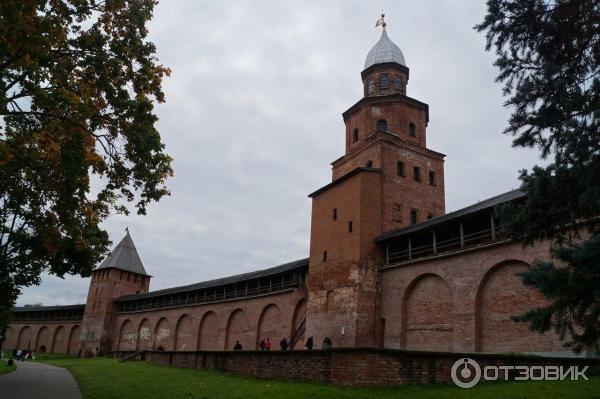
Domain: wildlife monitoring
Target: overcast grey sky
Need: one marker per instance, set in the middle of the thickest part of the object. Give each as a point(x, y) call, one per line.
point(253, 119)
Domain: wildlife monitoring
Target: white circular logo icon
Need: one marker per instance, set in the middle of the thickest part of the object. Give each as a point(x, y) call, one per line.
point(465, 373)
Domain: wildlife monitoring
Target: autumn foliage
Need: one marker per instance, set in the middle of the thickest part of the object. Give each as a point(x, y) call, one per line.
point(79, 81)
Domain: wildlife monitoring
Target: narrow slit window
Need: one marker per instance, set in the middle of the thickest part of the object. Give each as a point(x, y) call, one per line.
point(417, 173)
point(355, 136)
point(413, 216)
point(350, 226)
point(324, 256)
point(432, 178)
point(397, 213)
point(334, 213)
point(400, 168)
point(412, 130)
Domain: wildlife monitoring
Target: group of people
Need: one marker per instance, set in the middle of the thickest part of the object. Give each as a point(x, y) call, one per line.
point(265, 344)
point(23, 354)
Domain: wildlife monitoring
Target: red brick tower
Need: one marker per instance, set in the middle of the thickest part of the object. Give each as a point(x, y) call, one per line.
point(386, 179)
point(121, 273)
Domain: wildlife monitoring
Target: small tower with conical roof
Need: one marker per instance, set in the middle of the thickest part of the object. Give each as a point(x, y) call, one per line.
point(386, 179)
point(121, 273)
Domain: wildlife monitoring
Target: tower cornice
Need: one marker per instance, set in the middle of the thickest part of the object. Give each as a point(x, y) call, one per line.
point(98, 270)
point(395, 65)
point(391, 139)
point(354, 172)
point(387, 99)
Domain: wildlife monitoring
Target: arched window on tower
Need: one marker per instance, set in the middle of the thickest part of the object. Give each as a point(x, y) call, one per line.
point(384, 81)
point(412, 130)
point(382, 125)
point(399, 84)
point(370, 87)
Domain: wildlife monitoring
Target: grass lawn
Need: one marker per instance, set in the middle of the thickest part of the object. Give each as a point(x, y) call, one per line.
point(5, 368)
point(108, 378)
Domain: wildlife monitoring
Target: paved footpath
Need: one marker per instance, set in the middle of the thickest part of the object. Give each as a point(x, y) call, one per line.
point(34, 380)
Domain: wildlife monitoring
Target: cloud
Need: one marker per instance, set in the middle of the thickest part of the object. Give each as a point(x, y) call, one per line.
point(253, 119)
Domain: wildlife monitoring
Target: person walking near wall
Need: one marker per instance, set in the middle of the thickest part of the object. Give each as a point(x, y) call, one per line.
point(283, 344)
point(237, 346)
point(268, 344)
point(309, 343)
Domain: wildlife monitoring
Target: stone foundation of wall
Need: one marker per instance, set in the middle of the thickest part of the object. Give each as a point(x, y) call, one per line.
point(350, 366)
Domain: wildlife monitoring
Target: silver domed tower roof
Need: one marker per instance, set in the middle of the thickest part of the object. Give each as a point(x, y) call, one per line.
point(384, 51)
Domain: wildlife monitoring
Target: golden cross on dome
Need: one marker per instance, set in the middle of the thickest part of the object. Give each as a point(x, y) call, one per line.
point(381, 21)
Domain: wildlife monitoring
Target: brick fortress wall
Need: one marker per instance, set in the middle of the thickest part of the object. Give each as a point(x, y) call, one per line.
point(215, 326)
point(464, 302)
point(48, 336)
